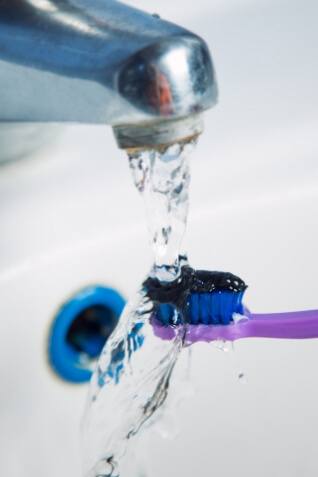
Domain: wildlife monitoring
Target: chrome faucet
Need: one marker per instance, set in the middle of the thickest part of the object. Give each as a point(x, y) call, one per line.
point(100, 61)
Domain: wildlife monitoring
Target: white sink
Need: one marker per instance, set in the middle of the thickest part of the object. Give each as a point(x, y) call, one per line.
point(70, 217)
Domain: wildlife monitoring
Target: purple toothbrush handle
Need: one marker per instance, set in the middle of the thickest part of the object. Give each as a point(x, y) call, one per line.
point(289, 325)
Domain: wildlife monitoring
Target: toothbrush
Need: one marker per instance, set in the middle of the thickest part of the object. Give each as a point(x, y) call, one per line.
point(212, 309)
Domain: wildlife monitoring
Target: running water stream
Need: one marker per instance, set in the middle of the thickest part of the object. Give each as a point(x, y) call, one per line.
point(132, 377)
point(163, 180)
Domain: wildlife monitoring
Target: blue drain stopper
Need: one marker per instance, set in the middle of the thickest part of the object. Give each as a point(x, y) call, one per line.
point(80, 330)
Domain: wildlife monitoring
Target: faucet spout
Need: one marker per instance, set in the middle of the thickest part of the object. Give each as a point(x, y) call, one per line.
point(103, 62)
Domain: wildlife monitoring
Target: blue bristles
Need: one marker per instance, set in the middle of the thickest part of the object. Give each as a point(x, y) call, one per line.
point(197, 297)
point(213, 308)
point(166, 314)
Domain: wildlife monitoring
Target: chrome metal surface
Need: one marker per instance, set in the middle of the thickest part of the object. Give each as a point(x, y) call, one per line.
point(99, 62)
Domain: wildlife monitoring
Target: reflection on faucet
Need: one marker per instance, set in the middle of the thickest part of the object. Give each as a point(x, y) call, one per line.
point(159, 92)
point(72, 17)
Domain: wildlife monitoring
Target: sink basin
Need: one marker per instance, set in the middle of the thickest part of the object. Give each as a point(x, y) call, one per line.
point(70, 217)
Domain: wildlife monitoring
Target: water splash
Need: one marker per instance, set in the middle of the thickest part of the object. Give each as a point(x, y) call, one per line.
point(225, 346)
point(132, 378)
point(130, 383)
point(228, 347)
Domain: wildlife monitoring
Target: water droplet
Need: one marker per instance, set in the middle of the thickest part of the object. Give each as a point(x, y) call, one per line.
point(237, 317)
point(105, 468)
point(242, 378)
point(226, 346)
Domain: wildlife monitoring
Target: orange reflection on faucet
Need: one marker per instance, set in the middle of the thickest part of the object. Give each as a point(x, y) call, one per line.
point(159, 92)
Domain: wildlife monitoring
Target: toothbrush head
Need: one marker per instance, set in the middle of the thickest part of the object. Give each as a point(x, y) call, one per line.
point(199, 297)
point(214, 298)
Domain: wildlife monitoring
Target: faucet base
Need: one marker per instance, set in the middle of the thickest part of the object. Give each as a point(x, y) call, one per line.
point(158, 134)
